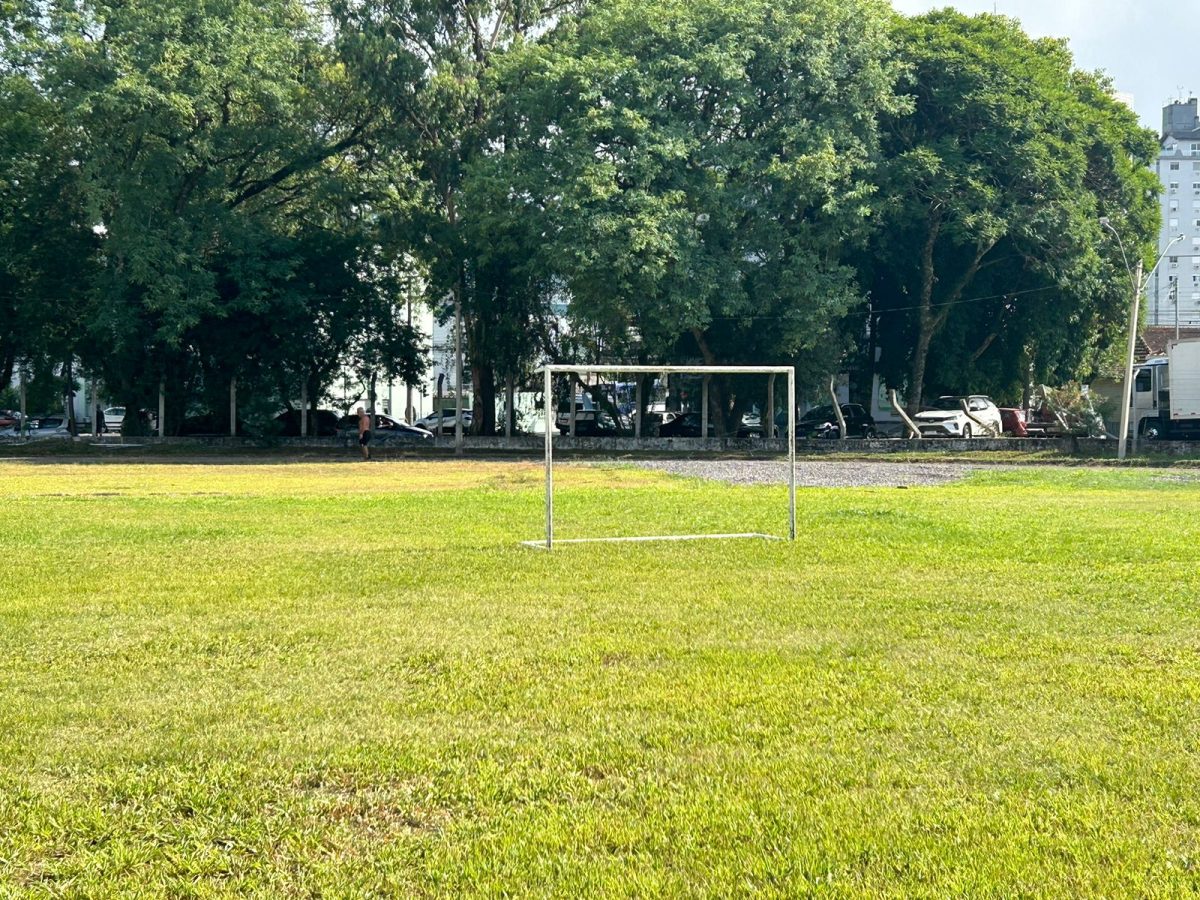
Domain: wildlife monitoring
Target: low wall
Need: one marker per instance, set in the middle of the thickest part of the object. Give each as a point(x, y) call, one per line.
point(533, 445)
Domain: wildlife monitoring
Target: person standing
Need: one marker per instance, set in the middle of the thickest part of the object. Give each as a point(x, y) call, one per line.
point(364, 433)
point(100, 426)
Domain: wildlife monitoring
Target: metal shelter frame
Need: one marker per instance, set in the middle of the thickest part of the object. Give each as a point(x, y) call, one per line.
point(549, 371)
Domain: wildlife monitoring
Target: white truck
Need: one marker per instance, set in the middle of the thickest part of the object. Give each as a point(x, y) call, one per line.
point(1165, 403)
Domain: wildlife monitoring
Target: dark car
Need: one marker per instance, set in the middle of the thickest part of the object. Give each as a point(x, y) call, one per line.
point(1012, 421)
point(384, 430)
point(821, 422)
point(325, 424)
point(684, 425)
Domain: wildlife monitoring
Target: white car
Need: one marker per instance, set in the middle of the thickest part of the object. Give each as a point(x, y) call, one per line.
point(945, 418)
point(430, 422)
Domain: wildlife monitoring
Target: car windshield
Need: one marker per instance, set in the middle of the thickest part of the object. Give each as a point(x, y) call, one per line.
point(954, 403)
point(821, 412)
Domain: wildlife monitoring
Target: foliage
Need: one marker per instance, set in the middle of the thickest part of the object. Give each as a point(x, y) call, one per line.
point(230, 164)
point(989, 262)
point(695, 167)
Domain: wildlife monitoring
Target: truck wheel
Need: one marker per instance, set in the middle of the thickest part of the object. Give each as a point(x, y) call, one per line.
point(967, 432)
point(1152, 431)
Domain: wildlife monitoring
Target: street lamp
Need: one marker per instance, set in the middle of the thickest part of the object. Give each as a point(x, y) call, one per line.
point(1138, 283)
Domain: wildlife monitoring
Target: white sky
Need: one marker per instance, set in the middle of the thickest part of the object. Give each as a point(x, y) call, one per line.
point(1138, 42)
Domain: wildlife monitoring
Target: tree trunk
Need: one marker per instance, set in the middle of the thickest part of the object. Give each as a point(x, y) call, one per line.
point(483, 406)
point(930, 323)
point(916, 384)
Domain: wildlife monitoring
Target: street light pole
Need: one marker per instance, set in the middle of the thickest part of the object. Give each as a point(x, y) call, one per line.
point(1123, 434)
point(1138, 285)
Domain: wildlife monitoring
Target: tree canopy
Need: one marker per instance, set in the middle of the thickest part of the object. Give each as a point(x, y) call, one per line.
point(199, 192)
point(988, 266)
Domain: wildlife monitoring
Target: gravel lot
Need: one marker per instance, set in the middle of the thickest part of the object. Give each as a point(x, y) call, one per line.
point(815, 474)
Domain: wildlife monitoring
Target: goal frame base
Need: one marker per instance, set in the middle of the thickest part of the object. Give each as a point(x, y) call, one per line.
point(550, 408)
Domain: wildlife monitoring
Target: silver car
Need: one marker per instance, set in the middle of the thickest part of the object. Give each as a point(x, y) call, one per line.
point(38, 427)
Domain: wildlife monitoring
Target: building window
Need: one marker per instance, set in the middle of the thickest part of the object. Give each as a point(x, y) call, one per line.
point(1173, 186)
point(1174, 167)
point(1174, 262)
point(1195, 149)
point(1171, 279)
point(1172, 223)
point(1174, 206)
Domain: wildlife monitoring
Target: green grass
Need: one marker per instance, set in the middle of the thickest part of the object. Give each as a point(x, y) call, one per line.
point(350, 680)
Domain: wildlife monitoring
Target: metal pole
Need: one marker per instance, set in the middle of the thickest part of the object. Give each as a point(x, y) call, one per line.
point(1123, 435)
point(162, 406)
point(547, 404)
point(509, 398)
point(791, 439)
point(704, 409)
point(304, 408)
point(233, 406)
point(24, 415)
point(458, 374)
point(1175, 291)
point(768, 417)
point(409, 415)
point(637, 408)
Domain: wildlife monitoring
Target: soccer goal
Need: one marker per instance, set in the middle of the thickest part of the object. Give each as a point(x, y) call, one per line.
point(550, 408)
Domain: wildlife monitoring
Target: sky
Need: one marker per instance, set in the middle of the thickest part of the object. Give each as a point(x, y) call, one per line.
point(1137, 42)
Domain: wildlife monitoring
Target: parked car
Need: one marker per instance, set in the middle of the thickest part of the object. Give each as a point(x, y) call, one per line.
point(751, 425)
point(686, 424)
point(114, 416)
point(821, 422)
point(588, 419)
point(44, 426)
point(945, 417)
point(9, 418)
point(324, 424)
point(384, 429)
point(447, 417)
point(1013, 421)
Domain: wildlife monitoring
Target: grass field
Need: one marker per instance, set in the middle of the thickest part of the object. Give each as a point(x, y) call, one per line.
point(350, 680)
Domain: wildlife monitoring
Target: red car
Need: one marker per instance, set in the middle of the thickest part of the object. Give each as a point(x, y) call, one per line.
point(1012, 421)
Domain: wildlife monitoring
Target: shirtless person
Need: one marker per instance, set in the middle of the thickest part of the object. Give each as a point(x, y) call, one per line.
point(364, 433)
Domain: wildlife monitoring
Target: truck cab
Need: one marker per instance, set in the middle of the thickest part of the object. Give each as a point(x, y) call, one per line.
point(1159, 410)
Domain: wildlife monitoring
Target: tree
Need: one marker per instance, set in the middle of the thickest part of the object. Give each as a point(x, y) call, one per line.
point(221, 146)
point(427, 64)
point(988, 264)
point(45, 239)
point(697, 167)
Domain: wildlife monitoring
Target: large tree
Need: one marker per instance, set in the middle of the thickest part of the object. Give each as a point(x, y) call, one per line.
point(697, 168)
point(427, 64)
point(988, 265)
point(223, 151)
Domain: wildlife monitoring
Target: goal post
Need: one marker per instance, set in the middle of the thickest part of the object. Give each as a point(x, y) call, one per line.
point(550, 409)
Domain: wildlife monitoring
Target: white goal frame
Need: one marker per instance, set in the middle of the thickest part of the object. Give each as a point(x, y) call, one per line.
point(549, 371)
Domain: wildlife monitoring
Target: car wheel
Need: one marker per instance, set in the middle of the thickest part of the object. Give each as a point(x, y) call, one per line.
point(1152, 431)
point(967, 431)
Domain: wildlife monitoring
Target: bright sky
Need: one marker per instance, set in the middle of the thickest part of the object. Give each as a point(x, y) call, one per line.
point(1137, 42)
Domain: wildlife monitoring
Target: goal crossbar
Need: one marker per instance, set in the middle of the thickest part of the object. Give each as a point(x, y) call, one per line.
point(548, 373)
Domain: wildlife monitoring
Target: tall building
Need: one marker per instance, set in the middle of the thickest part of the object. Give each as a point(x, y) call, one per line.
point(1178, 167)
